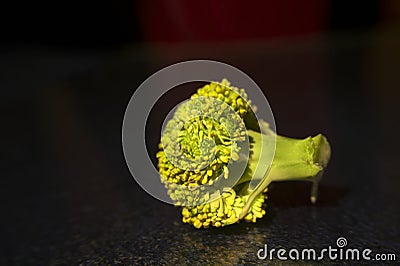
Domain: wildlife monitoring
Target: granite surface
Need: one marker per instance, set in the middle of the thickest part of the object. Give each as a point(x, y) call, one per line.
point(70, 199)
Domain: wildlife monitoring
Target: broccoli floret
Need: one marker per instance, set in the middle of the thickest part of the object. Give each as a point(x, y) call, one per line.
point(204, 138)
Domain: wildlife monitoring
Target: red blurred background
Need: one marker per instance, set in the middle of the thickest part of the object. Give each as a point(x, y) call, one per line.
point(224, 20)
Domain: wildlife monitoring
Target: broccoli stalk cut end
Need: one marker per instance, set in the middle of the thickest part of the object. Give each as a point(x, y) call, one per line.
point(294, 159)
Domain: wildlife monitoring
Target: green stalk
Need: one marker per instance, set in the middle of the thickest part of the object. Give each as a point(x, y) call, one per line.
point(294, 159)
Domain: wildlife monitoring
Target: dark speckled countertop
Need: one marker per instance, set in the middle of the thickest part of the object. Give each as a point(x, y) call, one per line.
point(69, 198)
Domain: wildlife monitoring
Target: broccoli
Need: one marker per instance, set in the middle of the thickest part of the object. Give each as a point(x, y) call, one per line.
point(203, 139)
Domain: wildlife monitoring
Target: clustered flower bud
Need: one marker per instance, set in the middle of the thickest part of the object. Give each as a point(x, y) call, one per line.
point(197, 145)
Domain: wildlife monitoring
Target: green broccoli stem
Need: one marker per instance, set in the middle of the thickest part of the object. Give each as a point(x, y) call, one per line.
point(294, 159)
